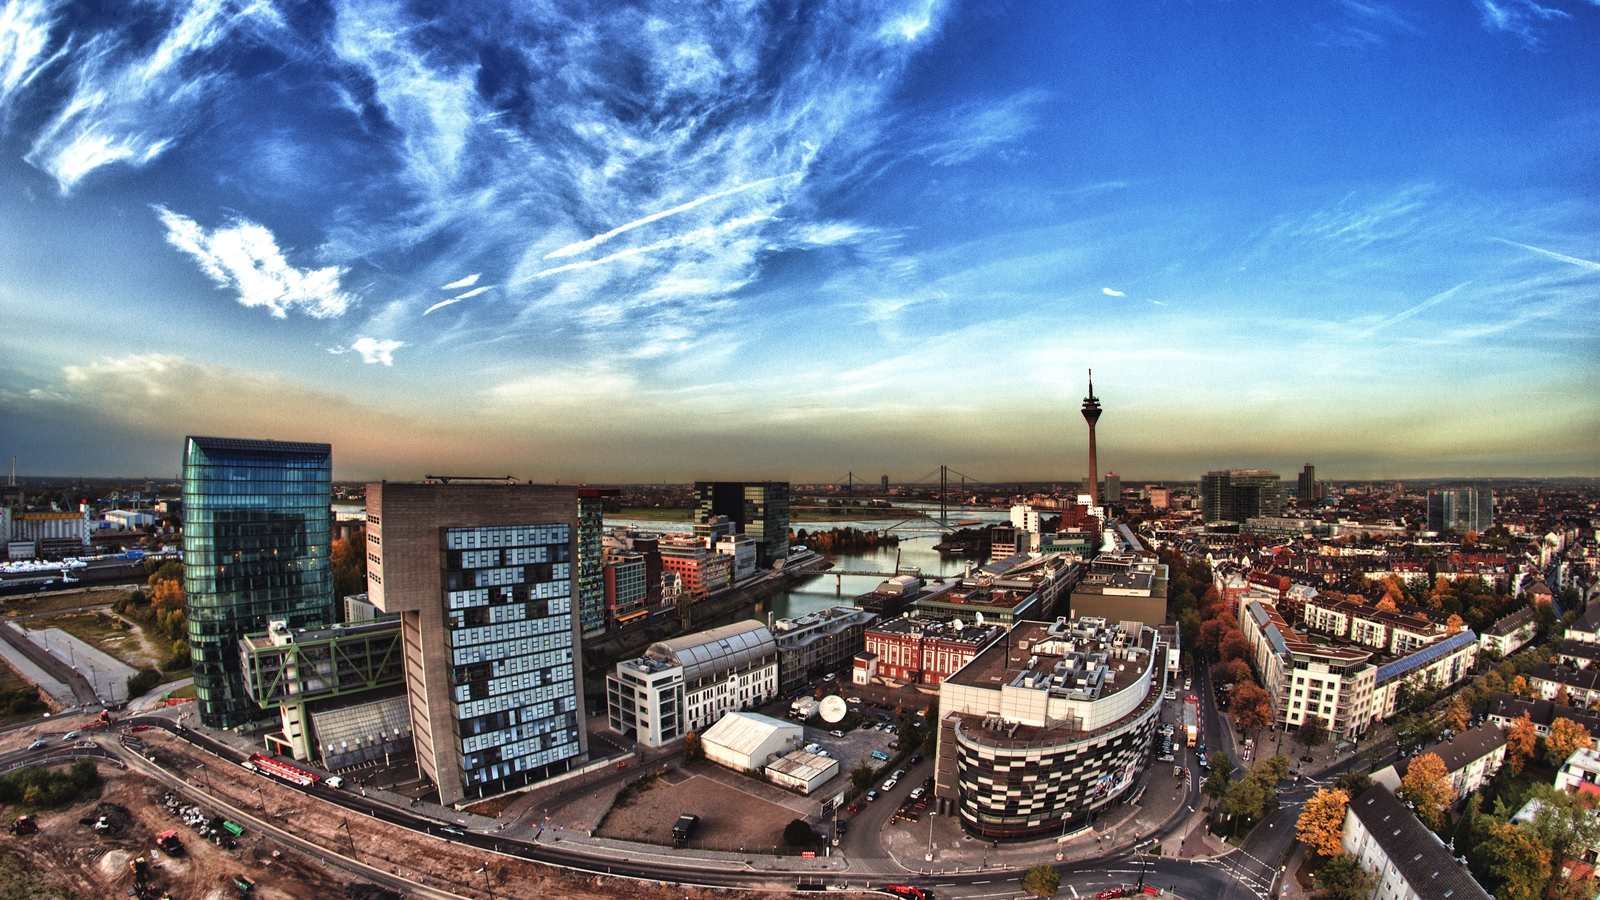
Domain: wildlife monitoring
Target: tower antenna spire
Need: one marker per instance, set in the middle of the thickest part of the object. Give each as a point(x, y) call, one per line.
point(1091, 415)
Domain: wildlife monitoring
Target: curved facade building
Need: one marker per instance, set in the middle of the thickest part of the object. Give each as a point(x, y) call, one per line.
point(689, 683)
point(1049, 726)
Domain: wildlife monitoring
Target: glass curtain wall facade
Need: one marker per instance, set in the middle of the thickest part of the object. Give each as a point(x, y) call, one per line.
point(759, 509)
point(591, 576)
point(508, 601)
point(257, 542)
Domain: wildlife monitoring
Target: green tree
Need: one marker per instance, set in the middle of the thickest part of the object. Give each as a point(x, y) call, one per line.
point(1041, 881)
point(1354, 783)
point(861, 777)
point(1313, 732)
point(1216, 784)
point(1273, 770)
point(798, 833)
point(1343, 879)
point(1563, 822)
point(1247, 798)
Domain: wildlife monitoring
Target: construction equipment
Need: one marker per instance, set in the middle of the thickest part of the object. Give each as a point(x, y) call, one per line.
point(282, 770)
point(24, 825)
point(168, 841)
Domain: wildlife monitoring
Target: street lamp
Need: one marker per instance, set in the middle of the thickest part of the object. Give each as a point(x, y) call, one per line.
point(202, 768)
point(486, 882)
point(346, 824)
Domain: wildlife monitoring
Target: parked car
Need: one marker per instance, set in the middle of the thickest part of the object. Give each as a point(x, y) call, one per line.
point(872, 795)
point(1167, 758)
point(853, 701)
point(879, 754)
point(889, 785)
point(836, 733)
point(842, 827)
point(899, 773)
point(916, 758)
point(916, 793)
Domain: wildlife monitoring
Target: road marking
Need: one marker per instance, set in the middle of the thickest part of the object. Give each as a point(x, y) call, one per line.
point(980, 882)
point(1074, 892)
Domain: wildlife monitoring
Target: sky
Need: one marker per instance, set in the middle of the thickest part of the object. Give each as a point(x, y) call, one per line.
point(655, 241)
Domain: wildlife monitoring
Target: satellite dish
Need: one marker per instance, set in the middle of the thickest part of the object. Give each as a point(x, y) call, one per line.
point(980, 620)
point(957, 625)
point(833, 708)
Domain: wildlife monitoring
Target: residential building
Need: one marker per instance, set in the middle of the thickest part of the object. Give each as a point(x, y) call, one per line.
point(1506, 708)
point(1576, 654)
point(1240, 494)
point(812, 645)
point(623, 590)
point(483, 576)
point(1391, 632)
point(700, 570)
point(1439, 665)
point(1048, 726)
point(257, 549)
point(918, 650)
point(1461, 510)
point(1511, 633)
point(1587, 626)
point(1470, 758)
point(688, 683)
point(1304, 679)
point(1580, 773)
point(1582, 685)
point(758, 509)
point(1408, 860)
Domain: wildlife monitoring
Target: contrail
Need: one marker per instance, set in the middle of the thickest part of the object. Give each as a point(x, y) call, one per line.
point(696, 235)
point(579, 247)
point(468, 281)
point(1406, 314)
point(457, 299)
point(1592, 266)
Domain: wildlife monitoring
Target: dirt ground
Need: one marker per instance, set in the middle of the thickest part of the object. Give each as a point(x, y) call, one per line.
point(72, 860)
point(729, 818)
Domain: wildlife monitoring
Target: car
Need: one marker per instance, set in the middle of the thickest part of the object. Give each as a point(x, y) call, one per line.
point(879, 754)
point(813, 747)
point(916, 793)
point(927, 782)
point(41, 742)
point(891, 728)
point(836, 733)
point(872, 795)
point(842, 827)
point(889, 785)
point(866, 726)
point(1166, 758)
point(829, 677)
point(899, 773)
point(1172, 695)
point(853, 701)
point(878, 727)
point(823, 754)
point(70, 736)
point(916, 758)
point(1188, 683)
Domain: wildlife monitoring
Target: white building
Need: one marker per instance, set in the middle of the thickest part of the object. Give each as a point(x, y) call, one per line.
point(688, 683)
point(128, 519)
point(1509, 634)
point(802, 771)
point(1581, 772)
point(747, 741)
point(1407, 859)
point(743, 550)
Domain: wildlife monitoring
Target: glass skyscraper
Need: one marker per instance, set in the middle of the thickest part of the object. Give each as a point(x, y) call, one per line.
point(257, 546)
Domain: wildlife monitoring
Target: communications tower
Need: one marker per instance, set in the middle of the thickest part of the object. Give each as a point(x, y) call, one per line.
point(1091, 414)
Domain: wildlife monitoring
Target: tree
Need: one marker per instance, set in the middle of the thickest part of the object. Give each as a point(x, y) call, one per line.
point(1427, 786)
point(1387, 604)
point(1321, 824)
point(1343, 879)
point(1216, 784)
point(1566, 737)
point(691, 747)
point(1519, 686)
point(1457, 715)
point(1252, 708)
point(1563, 697)
point(1313, 732)
point(861, 777)
point(1247, 798)
point(1354, 783)
point(1566, 823)
point(1517, 859)
point(1234, 646)
point(1273, 770)
point(1041, 881)
point(798, 833)
point(1520, 741)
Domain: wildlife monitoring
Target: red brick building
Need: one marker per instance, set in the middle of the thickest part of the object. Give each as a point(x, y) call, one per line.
point(926, 651)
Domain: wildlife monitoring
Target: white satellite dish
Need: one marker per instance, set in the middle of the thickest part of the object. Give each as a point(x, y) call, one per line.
point(833, 708)
point(957, 625)
point(980, 620)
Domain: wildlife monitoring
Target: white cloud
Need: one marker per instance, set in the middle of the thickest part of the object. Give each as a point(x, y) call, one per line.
point(468, 281)
point(458, 298)
point(375, 351)
point(129, 104)
point(1519, 17)
point(245, 256)
point(975, 129)
point(1112, 293)
point(24, 37)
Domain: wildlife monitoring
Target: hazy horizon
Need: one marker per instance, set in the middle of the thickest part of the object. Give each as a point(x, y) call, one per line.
point(796, 240)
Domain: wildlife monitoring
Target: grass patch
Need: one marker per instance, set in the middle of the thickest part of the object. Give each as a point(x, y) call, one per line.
point(32, 788)
point(170, 675)
point(108, 633)
point(12, 682)
point(21, 881)
point(182, 693)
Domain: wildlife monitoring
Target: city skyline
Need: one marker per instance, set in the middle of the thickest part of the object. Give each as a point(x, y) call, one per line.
point(661, 244)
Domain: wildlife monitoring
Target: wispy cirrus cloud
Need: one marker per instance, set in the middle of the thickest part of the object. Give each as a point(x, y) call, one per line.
point(1523, 18)
point(24, 39)
point(975, 129)
point(131, 96)
point(245, 257)
point(1110, 292)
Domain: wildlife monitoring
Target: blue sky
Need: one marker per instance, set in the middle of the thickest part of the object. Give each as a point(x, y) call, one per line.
point(663, 241)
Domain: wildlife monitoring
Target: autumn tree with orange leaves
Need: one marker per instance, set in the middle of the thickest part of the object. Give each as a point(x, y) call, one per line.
point(1456, 715)
point(1520, 741)
point(1566, 737)
point(1427, 786)
point(1321, 824)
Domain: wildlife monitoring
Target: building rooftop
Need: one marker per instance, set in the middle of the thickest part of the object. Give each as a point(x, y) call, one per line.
point(1507, 624)
point(717, 649)
point(802, 765)
point(1424, 862)
point(1463, 749)
point(954, 631)
point(1086, 659)
point(241, 445)
point(1425, 655)
point(1503, 705)
point(745, 732)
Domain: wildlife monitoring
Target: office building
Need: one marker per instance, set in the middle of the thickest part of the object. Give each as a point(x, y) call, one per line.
point(485, 582)
point(1113, 492)
point(1003, 592)
point(757, 509)
point(700, 570)
point(1308, 490)
point(1122, 588)
point(689, 683)
point(591, 532)
point(623, 577)
point(1048, 726)
point(1240, 494)
point(926, 651)
point(257, 548)
point(812, 645)
point(1461, 510)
